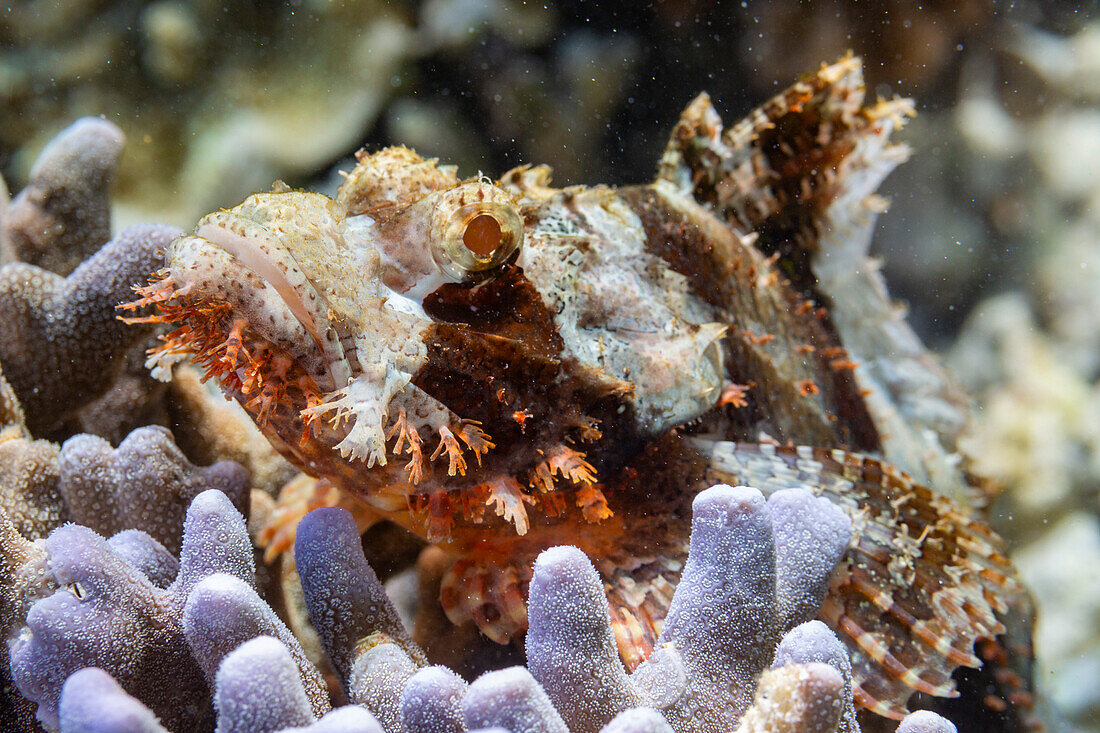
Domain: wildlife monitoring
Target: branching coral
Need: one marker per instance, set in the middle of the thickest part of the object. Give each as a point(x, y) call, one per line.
point(147, 555)
point(23, 579)
point(247, 701)
point(511, 699)
point(371, 651)
point(432, 701)
point(146, 483)
point(747, 579)
point(30, 499)
point(60, 342)
point(108, 489)
point(63, 215)
point(92, 702)
point(923, 721)
point(755, 569)
point(222, 612)
point(208, 646)
point(107, 613)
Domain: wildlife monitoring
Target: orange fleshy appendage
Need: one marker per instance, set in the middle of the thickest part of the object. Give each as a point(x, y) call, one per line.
point(222, 345)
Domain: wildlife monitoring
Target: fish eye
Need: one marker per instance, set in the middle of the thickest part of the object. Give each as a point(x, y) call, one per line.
point(477, 239)
point(482, 235)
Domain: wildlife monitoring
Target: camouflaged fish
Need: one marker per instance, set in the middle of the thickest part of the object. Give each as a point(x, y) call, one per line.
point(503, 366)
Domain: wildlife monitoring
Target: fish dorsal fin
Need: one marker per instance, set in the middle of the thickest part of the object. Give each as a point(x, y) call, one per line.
point(777, 170)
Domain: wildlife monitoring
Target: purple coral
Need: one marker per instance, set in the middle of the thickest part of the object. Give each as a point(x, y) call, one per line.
point(147, 555)
point(346, 601)
point(275, 699)
point(248, 702)
point(570, 647)
point(810, 535)
point(146, 483)
point(60, 342)
point(814, 643)
point(371, 650)
point(223, 612)
point(755, 567)
point(107, 613)
point(511, 699)
point(102, 616)
point(723, 618)
point(924, 721)
point(64, 214)
point(213, 626)
point(432, 701)
point(215, 540)
point(92, 702)
point(258, 690)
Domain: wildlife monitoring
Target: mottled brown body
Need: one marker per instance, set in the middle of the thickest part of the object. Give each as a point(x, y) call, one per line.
point(504, 367)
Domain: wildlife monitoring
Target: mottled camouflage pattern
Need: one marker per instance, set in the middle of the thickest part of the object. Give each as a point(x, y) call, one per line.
point(617, 351)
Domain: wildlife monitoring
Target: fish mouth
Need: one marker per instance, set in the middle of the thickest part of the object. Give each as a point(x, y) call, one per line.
point(248, 253)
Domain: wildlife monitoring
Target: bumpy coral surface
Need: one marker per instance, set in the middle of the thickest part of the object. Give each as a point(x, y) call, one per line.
point(145, 484)
point(63, 215)
point(261, 682)
point(138, 493)
point(107, 613)
point(109, 488)
point(60, 344)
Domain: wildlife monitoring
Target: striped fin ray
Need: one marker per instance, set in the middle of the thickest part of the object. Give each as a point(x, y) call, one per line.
point(782, 165)
point(923, 580)
point(638, 600)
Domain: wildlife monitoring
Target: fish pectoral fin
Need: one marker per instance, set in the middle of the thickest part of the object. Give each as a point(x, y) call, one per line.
point(489, 591)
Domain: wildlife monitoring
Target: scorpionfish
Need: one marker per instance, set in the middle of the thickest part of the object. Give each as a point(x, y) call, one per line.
point(501, 366)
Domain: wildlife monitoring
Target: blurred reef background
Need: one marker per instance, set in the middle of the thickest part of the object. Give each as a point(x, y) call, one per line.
point(992, 240)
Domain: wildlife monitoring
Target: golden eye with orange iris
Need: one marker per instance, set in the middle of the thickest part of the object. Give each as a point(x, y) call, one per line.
point(482, 235)
point(477, 239)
